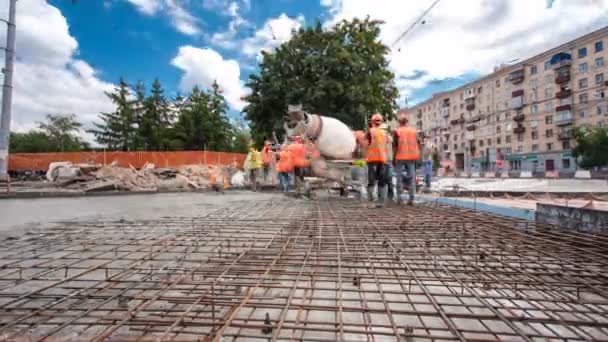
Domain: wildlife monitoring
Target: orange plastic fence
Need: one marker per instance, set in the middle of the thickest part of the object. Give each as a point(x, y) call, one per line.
point(41, 161)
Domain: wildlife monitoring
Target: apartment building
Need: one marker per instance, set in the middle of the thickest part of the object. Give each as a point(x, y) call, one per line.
point(521, 116)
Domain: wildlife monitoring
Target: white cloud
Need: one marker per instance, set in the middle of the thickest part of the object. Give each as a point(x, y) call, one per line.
point(204, 66)
point(457, 38)
point(49, 78)
point(181, 19)
point(274, 32)
point(226, 39)
point(148, 7)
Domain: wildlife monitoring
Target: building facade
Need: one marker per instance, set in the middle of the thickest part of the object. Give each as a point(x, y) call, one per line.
point(520, 117)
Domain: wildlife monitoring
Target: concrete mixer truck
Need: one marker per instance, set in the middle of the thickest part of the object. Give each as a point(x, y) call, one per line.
point(335, 142)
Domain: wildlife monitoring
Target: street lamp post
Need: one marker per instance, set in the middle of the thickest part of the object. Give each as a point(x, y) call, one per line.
point(7, 90)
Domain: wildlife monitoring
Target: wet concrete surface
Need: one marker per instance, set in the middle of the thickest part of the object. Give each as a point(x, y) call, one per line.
point(19, 214)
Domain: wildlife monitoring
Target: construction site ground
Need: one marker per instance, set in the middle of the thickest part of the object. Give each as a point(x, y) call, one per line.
point(248, 266)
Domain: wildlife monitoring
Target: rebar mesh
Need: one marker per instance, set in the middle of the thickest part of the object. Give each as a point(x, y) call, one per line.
point(321, 270)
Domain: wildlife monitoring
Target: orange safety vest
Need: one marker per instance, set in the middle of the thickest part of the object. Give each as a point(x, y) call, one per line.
point(298, 151)
point(285, 163)
point(266, 155)
point(376, 150)
point(407, 145)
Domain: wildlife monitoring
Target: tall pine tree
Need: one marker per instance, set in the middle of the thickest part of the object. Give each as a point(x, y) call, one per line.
point(156, 120)
point(117, 130)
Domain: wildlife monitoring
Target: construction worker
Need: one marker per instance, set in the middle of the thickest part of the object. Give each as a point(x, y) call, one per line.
point(427, 163)
point(300, 161)
point(406, 155)
point(284, 167)
point(267, 158)
point(253, 165)
point(389, 170)
point(376, 157)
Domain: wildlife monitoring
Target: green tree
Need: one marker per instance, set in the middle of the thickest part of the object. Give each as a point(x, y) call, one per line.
point(591, 148)
point(240, 141)
point(60, 130)
point(156, 120)
point(341, 72)
point(30, 142)
point(436, 161)
point(202, 123)
point(117, 130)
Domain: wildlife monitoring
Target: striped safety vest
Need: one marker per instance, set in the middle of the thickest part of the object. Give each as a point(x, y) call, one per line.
point(376, 150)
point(407, 145)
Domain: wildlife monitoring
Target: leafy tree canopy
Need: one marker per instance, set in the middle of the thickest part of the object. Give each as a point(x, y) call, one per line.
point(341, 72)
point(591, 146)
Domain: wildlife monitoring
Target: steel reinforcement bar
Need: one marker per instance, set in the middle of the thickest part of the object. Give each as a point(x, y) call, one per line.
point(322, 270)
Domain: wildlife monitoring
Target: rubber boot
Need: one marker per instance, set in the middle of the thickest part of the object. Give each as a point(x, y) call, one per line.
point(382, 197)
point(370, 193)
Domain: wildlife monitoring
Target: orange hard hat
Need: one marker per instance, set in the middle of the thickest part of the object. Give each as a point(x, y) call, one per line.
point(377, 118)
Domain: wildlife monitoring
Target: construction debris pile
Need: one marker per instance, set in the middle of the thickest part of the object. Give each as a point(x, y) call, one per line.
point(91, 178)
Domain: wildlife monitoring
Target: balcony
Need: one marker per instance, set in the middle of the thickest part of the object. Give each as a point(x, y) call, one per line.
point(519, 117)
point(517, 93)
point(455, 122)
point(564, 93)
point(516, 102)
point(471, 127)
point(474, 119)
point(445, 112)
point(562, 78)
point(517, 77)
point(519, 129)
point(566, 135)
point(563, 108)
point(470, 107)
point(561, 60)
point(419, 114)
point(469, 94)
point(564, 118)
point(461, 120)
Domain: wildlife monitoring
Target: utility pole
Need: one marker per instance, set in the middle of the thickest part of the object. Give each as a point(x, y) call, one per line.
point(7, 89)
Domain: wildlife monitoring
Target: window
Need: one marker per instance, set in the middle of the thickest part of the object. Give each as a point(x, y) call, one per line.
point(534, 109)
point(533, 70)
point(583, 67)
point(497, 83)
point(489, 142)
point(566, 145)
point(582, 52)
point(547, 65)
point(599, 62)
point(583, 83)
point(508, 150)
point(549, 79)
point(479, 89)
point(549, 106)
point(582, 114)
point(599, 46)
point(548, 93)
point(533, 83)
point(498, 141)
point(520, 137)
point(549, 146)
point(446, 147)
point(498, 129)
point(601, 110)
point(481, 153)
point(455, 146)
point(534, 135)
point(534, 95)
point(566, 163)
point(534, 148)
point(549, 119)
point(549, 133)
point(480, 143)
point(508, 139)
point(462, 145)
point(520, 149)
point(599, 79)
point(583, 98)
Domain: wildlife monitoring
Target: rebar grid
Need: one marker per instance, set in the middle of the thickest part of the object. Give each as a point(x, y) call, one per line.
point(321, 270)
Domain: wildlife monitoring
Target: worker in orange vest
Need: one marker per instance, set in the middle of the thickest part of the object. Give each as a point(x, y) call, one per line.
point(301, 161)
point(406, 154)
point(284, 167)
point(376, 157)
point(267, 158)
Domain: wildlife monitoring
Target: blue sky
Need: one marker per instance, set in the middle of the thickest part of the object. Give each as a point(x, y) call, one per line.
point(70, 52)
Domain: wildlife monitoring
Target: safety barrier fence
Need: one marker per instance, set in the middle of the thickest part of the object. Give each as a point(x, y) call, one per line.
point(41, 161)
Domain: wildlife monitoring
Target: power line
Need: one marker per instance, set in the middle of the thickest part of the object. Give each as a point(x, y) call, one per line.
point(414, 23)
